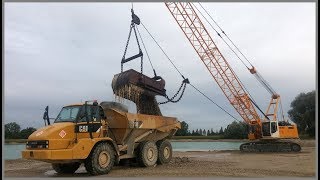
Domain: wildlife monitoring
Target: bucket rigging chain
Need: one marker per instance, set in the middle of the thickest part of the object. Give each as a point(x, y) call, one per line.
point(135, 21)
point(182, 87)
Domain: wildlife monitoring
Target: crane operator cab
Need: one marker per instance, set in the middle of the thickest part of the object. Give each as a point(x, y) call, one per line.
point(279, 129)
point(270, 128)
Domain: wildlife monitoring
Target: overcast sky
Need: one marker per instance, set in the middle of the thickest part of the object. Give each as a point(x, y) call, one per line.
point(62, 53)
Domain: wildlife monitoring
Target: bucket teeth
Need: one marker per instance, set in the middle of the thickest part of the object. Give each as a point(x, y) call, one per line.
point(139, 89)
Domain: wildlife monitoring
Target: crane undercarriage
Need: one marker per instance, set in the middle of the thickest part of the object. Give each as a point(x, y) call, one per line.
point(270, 145)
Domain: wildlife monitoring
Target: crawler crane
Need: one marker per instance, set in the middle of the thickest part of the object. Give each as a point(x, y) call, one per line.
point(268, 133)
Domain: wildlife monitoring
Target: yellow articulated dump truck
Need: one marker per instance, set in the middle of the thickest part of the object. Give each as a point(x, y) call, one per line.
point(100, 136)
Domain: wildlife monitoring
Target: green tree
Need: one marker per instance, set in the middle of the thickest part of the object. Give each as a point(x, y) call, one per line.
point(25, 133)
point(221, 131)
point(189, 133)
point(184, 129)
point(208, 133)
point(200, 132)
point(12, 130)
point(236, 130)
point(212, 132)
point(302, 112)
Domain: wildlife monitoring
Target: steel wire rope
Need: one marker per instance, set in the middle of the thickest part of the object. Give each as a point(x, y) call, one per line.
point(245, 89)
point(223, 32)
point(220, 35)
point(262, 81)
point(184, 77)
point(162, 50)
point(145, 49)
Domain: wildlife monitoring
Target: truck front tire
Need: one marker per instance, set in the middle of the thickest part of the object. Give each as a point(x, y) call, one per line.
point(101, 159)
point(165, 152)
point(66, 168)
point(147, 154)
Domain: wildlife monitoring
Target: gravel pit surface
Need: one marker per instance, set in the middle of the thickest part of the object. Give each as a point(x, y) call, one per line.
point(194, 164)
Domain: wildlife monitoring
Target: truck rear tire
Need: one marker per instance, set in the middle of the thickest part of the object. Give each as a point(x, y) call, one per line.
point(101, 159)
point(66, 168)
point(147, 154)
point(165, 152)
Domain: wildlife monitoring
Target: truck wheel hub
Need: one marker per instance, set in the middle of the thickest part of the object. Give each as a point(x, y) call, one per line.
point(166, 152)
point(150, 154)
point(104, 159)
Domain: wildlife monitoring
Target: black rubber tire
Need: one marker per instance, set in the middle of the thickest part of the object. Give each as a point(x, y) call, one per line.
point(66, 168)
point(92, 164)
point(295, 147)
point(143, 154)
point(164, 152)
point(241, 147)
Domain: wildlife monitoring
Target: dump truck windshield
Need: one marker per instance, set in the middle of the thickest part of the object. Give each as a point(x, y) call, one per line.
point(68, 114)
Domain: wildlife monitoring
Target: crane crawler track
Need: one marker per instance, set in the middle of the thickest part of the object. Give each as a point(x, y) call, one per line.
point(270, 146)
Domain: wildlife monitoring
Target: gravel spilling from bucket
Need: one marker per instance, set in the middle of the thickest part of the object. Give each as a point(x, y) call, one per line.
point(146, 103)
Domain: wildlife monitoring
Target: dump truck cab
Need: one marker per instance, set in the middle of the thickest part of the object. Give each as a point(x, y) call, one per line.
point(100, 135)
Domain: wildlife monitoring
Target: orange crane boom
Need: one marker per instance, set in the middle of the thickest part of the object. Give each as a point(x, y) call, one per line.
point(268, 131)
point(215, 62)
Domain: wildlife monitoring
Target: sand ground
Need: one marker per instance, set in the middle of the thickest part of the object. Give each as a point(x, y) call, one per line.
point(205, 164)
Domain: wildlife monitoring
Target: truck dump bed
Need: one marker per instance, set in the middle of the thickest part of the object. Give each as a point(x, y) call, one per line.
point(126, 126)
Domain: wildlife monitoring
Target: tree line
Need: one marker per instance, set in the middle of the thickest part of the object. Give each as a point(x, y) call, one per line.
point(235, 130)
point(13, 131)
point(302, 113)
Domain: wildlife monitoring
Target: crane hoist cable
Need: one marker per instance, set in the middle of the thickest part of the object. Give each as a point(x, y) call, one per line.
point(162, 50)
point(214, 102)
point(246, 90)
point(135, 21)
point(264, 83)
point(220, 35)
point(133, 26)
point(182, 86)
point(145, 49)
point(252, 70)
point(185, 79)
point(281, 110)
point(226, 44)
point(223, 32)
point(184, 82)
